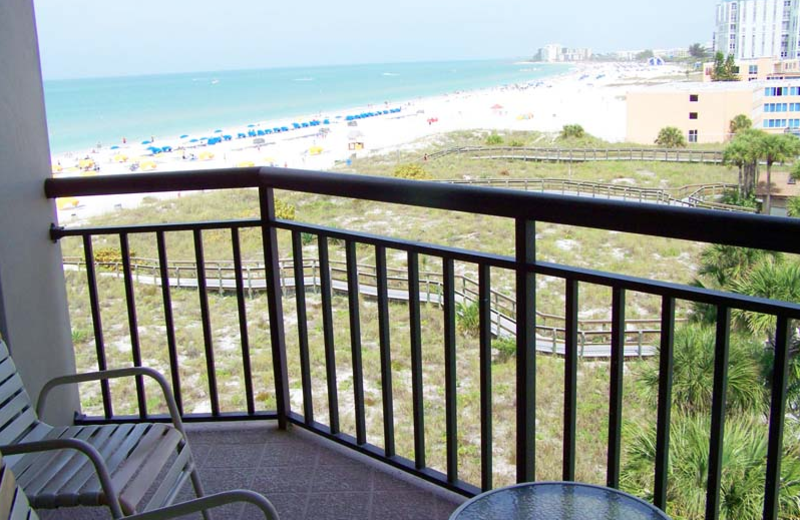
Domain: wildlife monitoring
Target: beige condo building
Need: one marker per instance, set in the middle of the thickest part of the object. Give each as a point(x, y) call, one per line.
point(703, 111)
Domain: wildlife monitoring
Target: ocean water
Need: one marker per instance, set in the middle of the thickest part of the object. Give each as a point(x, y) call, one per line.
point(83, 112)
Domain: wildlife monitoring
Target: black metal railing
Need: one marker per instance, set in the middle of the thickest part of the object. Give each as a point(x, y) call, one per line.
point(525, 209)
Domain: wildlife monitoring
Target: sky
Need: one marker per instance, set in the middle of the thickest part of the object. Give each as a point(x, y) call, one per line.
point(97, 38)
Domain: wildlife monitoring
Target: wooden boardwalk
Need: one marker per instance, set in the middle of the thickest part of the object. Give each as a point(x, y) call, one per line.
point(551, 154)
point(550, 339)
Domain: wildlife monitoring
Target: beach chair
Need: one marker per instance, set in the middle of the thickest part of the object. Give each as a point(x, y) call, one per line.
point(14, 504)
point(112, 465)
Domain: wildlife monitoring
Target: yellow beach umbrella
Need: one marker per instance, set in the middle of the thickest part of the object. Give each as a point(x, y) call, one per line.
point(88, 173)
point(57, 168)
point(148, 166)
point(85, 164)
point(315, 150)
point(67, 202)
point(246, 164)
point(121, 158)
point(206, 156)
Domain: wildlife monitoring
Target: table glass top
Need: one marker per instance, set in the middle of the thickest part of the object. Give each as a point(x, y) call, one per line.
point(557, 501)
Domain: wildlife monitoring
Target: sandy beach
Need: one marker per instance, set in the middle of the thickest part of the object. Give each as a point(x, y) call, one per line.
point(591, 95)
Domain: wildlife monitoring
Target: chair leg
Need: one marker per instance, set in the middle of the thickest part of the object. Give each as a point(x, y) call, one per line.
point(198, 490)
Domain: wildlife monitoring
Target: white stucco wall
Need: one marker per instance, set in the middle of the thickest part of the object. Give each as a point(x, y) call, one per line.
point(33, 304)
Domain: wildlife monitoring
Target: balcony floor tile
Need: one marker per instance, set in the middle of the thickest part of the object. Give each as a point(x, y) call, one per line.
point(304, 475)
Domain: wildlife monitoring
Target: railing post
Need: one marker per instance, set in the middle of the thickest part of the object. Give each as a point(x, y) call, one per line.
point(525, 250)
point(269, 238)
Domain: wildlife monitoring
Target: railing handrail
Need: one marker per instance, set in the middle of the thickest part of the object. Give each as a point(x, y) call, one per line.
point(593, 154)
point(737, 229)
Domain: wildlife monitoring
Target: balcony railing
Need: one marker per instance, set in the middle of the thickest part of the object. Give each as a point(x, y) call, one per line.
point(525, 209)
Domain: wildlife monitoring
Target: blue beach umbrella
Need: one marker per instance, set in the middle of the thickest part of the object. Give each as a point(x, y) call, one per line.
point(284, 129)
point(277, 130)
point(115, 147)
point(184, 136)
point(194, 141)
point(296, 125)
point(217, 131)
point(267, 131)
point(304, 125)
point(251, 126)
point(146, 142)
point(326, 122)
point(227, 137)
point(166, 149)
point(241, 135)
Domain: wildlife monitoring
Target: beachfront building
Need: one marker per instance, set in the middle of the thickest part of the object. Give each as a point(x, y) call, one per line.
point(555, 52)
point(760, 69)
point(703, 111)
point(749, 29)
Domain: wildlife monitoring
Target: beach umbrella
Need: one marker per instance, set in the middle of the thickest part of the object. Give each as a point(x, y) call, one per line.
point(327, 121)
point(315, 150)
point(115, 147)
point(296, 125)
point(251, 126)
point(227, 137)
point(284, 129)
point(348, 118)
point(184, 136)
point(148, 165)
point(241, 135)
point(120, 158)
point(267, 131)
point(206, 156)
point(166, 148)
point(194, 141)
point(277, 130)
point(217, 131)
point(86, 163)
point(67, 203)
point(251, 133)
point(260, 132)
point(57, 168)
point(305, 125)
point(246, 164)
point(146, 142)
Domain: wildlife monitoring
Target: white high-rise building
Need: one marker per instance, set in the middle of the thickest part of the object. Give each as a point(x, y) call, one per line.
point(750, 29)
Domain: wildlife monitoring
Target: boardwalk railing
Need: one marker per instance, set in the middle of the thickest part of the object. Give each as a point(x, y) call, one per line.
point(594, 334)
point(525, 209)
point(544, 154)
point(694, 196)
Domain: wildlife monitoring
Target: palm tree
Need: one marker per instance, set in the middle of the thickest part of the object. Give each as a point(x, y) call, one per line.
point(670, 137)
point(744, 151)
point(739, 123)
point(744, 452)
point(777, 148)
point(773, 278)
point(793, 207)
point(693, 372)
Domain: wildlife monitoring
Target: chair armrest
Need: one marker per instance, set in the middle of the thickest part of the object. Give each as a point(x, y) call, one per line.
point(79, 445)
point(115, 374)
point(208, 502)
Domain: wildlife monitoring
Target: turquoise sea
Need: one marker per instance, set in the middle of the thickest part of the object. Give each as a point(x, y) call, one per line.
point(83, 112)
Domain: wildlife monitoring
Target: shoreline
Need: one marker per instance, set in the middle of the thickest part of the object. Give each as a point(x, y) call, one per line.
point(590, 94)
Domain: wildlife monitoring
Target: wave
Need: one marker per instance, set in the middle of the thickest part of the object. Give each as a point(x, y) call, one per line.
point(390, 74)
point(303, 79)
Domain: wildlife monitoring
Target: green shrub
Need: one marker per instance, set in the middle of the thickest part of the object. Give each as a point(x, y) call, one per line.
point(307, 238)
point(506, 347)
point(80, 336)
point(670, 137)
point(283, 210)
point(468, 322)
point(411, 171)
point(572, 132)
point(734, 198)
point(494, 139)
point(793, 207)
point(516, 143)
point(112, 256)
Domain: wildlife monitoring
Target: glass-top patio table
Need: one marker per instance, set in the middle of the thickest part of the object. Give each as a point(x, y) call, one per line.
point(556, 501)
